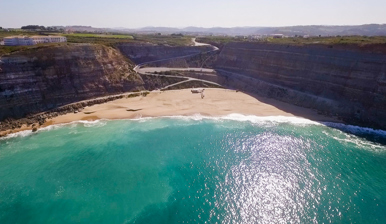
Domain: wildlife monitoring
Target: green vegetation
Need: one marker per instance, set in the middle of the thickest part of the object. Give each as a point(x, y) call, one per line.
point(355, 40)
point(4, 33)
point(94, 35)
point(113, 39)
point(10, 49)
point(172, 40)
point(33, 27)
point(94, 38)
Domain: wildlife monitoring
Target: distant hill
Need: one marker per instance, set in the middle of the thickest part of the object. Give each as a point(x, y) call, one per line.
point(366, 30)
point(363, 30)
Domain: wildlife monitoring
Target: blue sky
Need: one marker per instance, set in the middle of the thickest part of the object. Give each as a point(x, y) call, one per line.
point(182, 13)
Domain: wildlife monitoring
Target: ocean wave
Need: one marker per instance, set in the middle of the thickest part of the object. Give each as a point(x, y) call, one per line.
point(72, 125)
point(96, 123)
point(361, 136)
point(261, 120)
point(283, 119)
point(18, 134)
point(352, 134)
point(274, 119)
point(355, 129)
point(248, 118)
point(355, 140)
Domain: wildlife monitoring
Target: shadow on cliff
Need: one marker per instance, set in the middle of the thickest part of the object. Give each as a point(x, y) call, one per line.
point(373, 135)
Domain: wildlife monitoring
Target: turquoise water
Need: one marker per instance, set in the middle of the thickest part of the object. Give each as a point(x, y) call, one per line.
point(180, 170)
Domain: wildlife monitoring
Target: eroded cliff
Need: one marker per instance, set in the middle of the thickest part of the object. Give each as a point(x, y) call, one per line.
point(349, 82)
point(48, 77)
point(140, 53)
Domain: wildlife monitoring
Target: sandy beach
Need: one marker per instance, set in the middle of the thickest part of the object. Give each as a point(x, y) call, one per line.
point(217, 102)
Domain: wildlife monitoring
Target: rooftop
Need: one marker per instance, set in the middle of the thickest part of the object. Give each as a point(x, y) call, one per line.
point(31, 36)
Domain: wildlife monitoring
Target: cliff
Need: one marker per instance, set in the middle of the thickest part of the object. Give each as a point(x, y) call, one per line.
point(201, 60)
point(140, 53)
point(347, 81)
point(339, 80)
point(47, 77)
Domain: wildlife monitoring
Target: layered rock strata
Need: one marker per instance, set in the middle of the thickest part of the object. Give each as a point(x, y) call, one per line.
point(140, 53)
point(48, 77)
point(349, 82)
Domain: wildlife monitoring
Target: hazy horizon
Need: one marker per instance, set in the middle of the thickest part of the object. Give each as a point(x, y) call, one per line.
point(181, 14)
point(184, 27)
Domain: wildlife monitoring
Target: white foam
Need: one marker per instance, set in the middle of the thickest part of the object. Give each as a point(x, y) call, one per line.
point(276, 119)
point(298, 121)
point(18, 134)
point(355, 129)
point(352, 139)
point(73, 124)
point(283, 119)
point(249, 118)
point(96, 123)
point(266, 120)
point(349, 132)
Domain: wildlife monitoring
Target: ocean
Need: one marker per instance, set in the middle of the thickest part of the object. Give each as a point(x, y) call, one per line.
point(232, 169)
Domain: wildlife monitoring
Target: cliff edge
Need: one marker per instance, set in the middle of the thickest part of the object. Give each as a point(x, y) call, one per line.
point(344, 81)
point(47, 77)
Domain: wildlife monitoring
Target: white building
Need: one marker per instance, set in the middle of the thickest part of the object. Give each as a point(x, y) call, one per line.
point(277, 35)
point(23, 40)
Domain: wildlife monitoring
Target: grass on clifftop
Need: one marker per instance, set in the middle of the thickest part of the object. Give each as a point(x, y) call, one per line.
point(105, 39)
point(10, 49)
point(16, 33)
point(94, 38)
point(4, 50)
point(115, 36)
point(356, 40)
point(111, 40)
point(165, 39)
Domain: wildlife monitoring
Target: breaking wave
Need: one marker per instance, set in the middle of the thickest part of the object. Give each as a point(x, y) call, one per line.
point(259, 120)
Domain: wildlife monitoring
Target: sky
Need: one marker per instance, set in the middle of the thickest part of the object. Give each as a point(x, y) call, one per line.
point(184, 13)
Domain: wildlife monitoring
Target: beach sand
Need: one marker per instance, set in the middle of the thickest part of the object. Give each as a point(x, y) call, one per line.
point(217, 102)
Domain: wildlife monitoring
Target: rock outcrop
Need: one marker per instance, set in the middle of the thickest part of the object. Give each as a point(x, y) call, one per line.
point(140, 53)
point(48, 77)
point(347, 81)
point(159, 82)
point(200, 60)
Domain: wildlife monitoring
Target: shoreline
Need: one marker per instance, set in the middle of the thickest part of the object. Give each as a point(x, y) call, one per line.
point(216, 103)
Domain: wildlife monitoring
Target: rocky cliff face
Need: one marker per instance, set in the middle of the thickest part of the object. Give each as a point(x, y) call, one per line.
point(140, 53)
point(48, 77)
point(201, 60)
point(339, 80)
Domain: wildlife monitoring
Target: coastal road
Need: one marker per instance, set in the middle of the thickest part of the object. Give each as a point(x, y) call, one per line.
point(203, 44)
point(138, 68)
point(149, 71)
point(178, 83)
point(165, 69)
